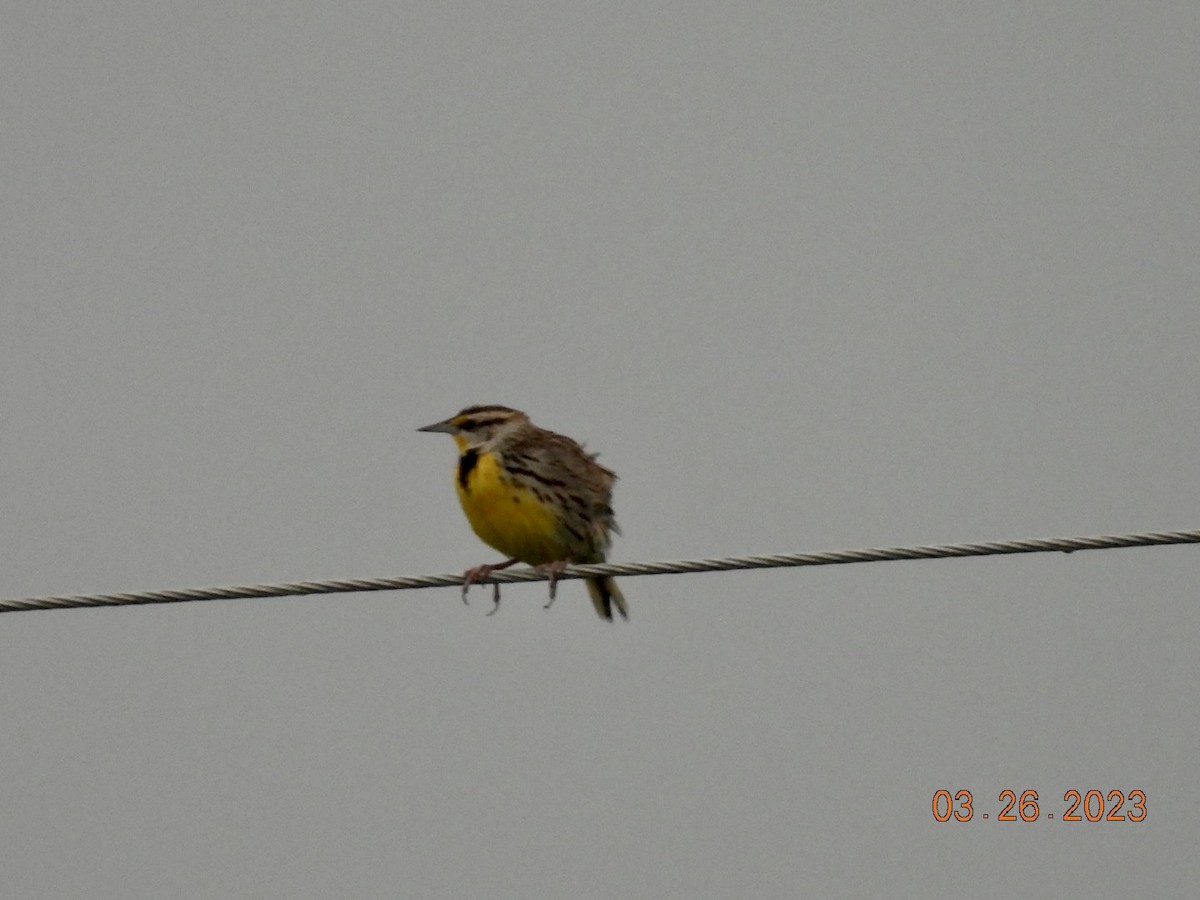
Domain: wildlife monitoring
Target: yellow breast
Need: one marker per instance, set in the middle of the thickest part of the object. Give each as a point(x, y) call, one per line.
point(506, 515)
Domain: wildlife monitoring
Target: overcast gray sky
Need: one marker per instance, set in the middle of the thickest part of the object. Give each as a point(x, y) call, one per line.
point(809, 276)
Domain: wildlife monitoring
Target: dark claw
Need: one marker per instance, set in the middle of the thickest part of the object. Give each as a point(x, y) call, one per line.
point(553, 570)
point(495, 598)
point(479, 573)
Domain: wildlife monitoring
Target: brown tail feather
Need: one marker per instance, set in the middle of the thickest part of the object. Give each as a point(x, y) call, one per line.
point(604, 593)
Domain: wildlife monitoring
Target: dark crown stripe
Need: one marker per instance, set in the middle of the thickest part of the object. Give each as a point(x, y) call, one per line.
point(472, 410)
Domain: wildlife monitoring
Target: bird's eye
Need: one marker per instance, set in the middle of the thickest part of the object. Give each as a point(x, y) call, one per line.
point(467, 426)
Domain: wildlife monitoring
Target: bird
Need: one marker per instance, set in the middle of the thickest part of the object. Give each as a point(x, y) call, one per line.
point(536, 496)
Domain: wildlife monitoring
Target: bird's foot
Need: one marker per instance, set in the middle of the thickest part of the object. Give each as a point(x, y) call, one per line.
point(495, 599)
point(478, 574)
point(552, 570)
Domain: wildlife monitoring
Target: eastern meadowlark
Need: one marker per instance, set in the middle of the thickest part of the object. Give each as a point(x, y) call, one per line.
point(536, 496)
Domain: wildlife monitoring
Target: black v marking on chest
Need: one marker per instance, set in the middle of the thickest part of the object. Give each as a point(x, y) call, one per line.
point(466, 463)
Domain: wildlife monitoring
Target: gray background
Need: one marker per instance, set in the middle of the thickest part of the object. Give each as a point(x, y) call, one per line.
point(808, 276)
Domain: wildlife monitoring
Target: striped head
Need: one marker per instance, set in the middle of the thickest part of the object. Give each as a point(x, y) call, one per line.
point(477, 426)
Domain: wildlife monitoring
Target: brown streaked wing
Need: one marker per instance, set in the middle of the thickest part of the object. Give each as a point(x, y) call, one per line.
point(563, 466)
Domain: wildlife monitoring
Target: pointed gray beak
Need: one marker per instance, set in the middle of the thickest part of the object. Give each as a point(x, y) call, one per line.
point(444, 427)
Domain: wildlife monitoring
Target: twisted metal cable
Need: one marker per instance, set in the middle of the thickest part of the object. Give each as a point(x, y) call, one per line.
point(721, 564)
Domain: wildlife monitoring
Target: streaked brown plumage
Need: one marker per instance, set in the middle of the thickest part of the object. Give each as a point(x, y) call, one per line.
point(536, 496)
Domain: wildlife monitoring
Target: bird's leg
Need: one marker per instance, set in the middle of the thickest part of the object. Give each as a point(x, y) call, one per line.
point(552, 570)
point(477, 574)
